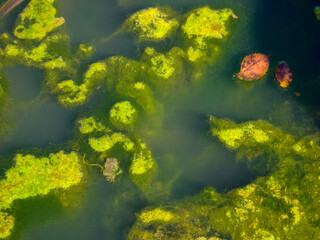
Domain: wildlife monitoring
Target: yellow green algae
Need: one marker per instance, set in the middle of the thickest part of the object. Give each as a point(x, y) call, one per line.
point(152, 24)
point(32, 176)
point(123, 115)
point(40, 40)
point(89, 125)
point(283, 204)
point(203, 24)
point(37, 20)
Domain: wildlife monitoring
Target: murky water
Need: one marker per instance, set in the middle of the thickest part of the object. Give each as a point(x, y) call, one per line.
point(287, 30)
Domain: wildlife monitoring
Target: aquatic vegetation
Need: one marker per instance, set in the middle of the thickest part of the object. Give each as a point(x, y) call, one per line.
point(95, 73)
point(40, 55)
point(71, 94)
point(166, 70)
point(155, 215)
point(37, 20)
point(39, 40)
point(32, 176)
point(6, 224)
point(280, 205)
point(283, 74)
point(107, 142)
point(90, 125)
point(253, 67)
point(123, 115)
point(143, 167)
point(203, 24)
point(152, 24)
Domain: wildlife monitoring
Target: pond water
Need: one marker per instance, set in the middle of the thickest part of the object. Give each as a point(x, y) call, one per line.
point(285, 29)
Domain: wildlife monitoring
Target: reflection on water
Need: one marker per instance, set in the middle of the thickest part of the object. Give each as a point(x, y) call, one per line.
point(108, 210)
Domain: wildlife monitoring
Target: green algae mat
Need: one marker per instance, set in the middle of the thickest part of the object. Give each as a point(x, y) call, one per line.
point(126, 120)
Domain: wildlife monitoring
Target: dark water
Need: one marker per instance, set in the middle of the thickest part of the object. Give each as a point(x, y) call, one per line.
point(285, 29)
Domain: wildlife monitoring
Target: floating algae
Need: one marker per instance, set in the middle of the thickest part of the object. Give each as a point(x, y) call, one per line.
point(40, 40)
point(130, 90)
point(280, 205)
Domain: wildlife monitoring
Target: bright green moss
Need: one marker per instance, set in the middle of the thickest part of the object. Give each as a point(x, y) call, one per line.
point(204, 23)
point(140, 92)
point(12, 50)
point(6, 224)
point(37, 54)
point(283, 204)
point(37, 20)
point(156, 214)
point(143, 167)
point(162, 66)
point(152, 24)
point(195, 55)
point(123, 115)
point(90, 125)
point(57, 63)
point(33, 176)
point(107, 142)
point(251, 138)
point(166, 70)
point(70, 94)
point(96, 72)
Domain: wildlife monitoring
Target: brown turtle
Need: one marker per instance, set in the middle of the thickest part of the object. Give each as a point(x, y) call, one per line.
point(253, 67)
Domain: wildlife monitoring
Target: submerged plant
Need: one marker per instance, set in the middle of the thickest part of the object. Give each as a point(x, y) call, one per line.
point(280, 205)
point(123, 115)
point(203, 24)
point(132, 84)
point(37, 20)
point(32, 176)
point(152, 24)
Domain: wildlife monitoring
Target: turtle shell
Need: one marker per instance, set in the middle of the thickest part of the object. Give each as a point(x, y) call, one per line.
point(283, 74)
point(253, 67)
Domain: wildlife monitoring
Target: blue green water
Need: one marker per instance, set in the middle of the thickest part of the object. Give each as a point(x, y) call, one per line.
point(288, 30)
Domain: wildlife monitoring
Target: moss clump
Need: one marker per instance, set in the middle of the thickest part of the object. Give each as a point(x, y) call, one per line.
point(37, 20)
point(90, 125)
point(166, 70)
point(281, 205)
point(95, 73)
point(52, 53)
point(70, 94)
point(143, 167)
point(33, 176)
point(6, 224)
point(183, 220)
point(152, 24)
point(258, 141)
point(156, 215)
point(123, 115)
point(140, 92)
point(204, 23)
point(107, 142)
